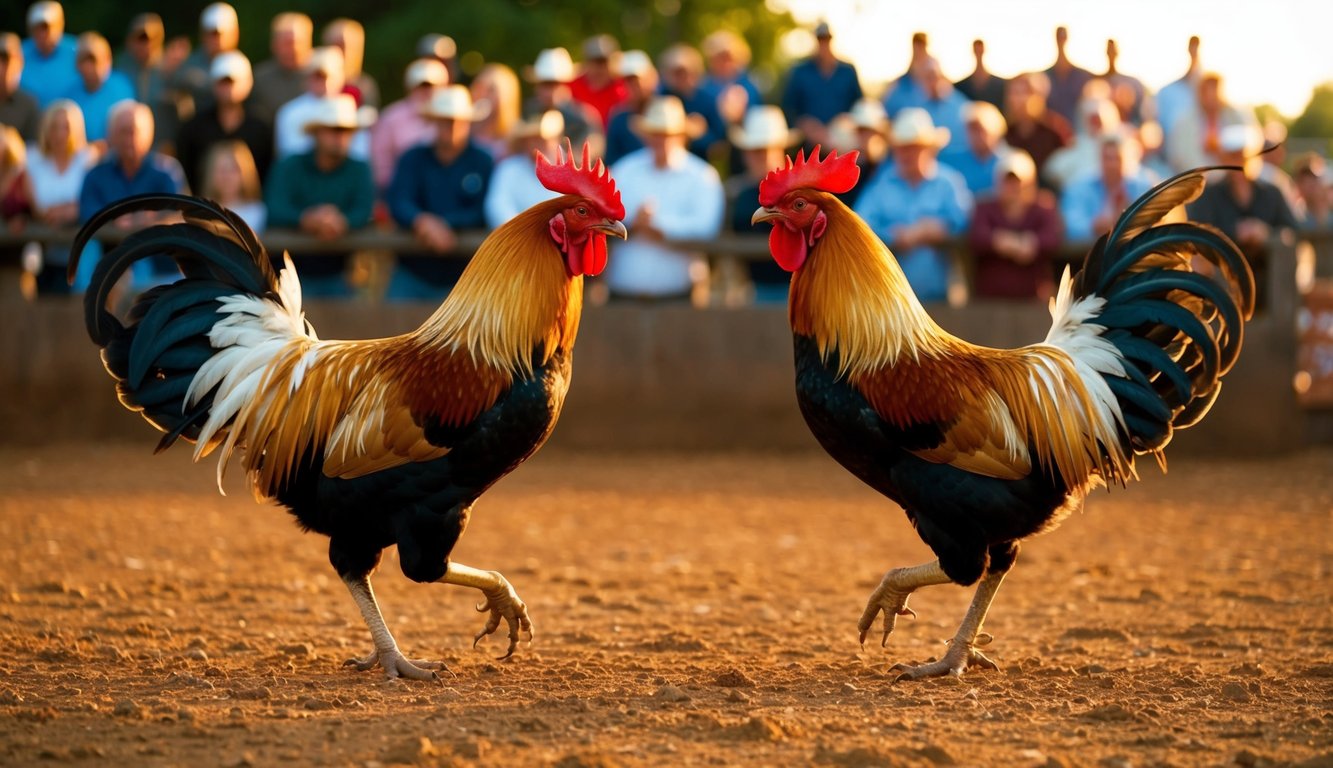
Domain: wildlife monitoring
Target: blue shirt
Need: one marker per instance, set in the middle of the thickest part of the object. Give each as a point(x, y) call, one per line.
point(889, 202)
point(947, 112)
point(620, 140)
point(455, 192)
point(902, 93)
point(810, 94)
point(1085, 198)
point(703, 102)
point(96, 106)
point(107, 183)
point(49, 77)
point(978, 172)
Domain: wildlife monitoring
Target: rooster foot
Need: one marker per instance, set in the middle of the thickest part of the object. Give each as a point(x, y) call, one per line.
point(959, 658)
point(504, 604)
point(396, 665)
point(892, 602)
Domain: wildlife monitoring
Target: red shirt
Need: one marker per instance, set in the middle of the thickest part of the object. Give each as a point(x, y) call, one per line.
point(603, 99)
point(1000, 277)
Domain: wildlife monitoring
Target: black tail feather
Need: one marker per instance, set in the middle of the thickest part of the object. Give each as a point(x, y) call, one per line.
point(155, 352)
point(1179, 331)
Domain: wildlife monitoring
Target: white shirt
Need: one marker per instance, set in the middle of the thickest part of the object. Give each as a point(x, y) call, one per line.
point(51, 186)
point(687, 203)
point(290, 136)
point(514, 188)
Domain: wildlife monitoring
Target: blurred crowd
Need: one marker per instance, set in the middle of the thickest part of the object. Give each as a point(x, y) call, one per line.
point(1012, 169)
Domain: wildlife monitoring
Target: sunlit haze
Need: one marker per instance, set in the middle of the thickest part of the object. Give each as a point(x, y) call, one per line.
point(1269, 53)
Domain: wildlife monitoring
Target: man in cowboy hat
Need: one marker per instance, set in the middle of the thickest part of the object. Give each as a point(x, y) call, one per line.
point(324, 78)
point(640, 77)
point(551, 76)
point(324, 192)
point(762, 139)
point(514, 186)
point(671, 195)
point(916, 204)
point(438, 189)
point(865, 129)
point(402, 125)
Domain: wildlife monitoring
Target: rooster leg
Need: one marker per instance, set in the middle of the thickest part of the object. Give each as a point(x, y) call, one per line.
point(386, 653)
point(891, 596)
point(501, 600)
point(962, 651)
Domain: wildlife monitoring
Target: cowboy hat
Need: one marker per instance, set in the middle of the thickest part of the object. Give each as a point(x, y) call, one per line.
point(634, 63)
point(870, 114)
point(913, 127)
point(666, 116)
point(454, 102)
point(553, 65)
point(339, 111)
point(548, 125)
point(425, 71)
point(764, 126)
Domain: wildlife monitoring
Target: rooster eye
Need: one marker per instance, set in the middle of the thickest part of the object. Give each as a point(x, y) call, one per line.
point(582, 210)
point(799, 204)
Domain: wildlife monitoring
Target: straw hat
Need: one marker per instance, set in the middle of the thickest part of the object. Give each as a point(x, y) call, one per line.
point(327, 59)
point(1018, 163)
point(870, 114)
point(634, 64)
point(987, 115)
point(764, 126)
point(423, 71)
point(548, 125)
point(454, 102)
point(913, 127)
point(666, 116)
point(233, 65)
point(553, 65)
point(339, 111)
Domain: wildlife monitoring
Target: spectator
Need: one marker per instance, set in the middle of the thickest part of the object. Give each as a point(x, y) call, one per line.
point(727, 58)
point(1247, 209)
point(49, 72)
point(349, 36)
point(324, 78)
point(1309, 175)
point(497, 85)
point(1097, 118)
point(1195, 135)
point(985, 128)
point(909, 88)
point(437, 190)
point(1015, 234)
point(57, 165)
point(640, 77)
point(1275, 160)
point(819, 89)
point(433, 45)
point(763, 139)
point(597, 85)
point(131, 167)
point(945, 106)
point(15, 206)
point(514, 186)
point(551, 76)
point(682, 69)
point(917, 204)
point(230, 118)
point(1091, 203)
point(99, 86)
point(324, 192)
point(982, 85)
point(191, 84)
point(670, 194)
point(17, 107)
point(1067, 81)
point(1180, 96)
point(143, 64)
point(231, 179)
point(868, 126)
point(285, 76)
point(1032, 127)
point(1128, 93)
point(402, 126)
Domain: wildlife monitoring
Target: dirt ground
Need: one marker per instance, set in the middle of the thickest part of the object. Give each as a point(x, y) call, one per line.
point(689, 610)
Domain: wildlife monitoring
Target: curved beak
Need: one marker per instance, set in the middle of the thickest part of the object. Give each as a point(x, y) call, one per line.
point(764, 214)
point(612, 227)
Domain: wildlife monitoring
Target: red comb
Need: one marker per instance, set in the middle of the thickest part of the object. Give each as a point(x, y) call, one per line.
point(832, 174)
point(570, 178)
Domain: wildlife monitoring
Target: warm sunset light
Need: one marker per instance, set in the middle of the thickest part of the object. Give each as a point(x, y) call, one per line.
point(1274, 54)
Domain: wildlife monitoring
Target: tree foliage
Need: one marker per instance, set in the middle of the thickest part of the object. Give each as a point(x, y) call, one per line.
point(1317, 119)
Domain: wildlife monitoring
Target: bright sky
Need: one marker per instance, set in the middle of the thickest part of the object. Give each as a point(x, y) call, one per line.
point(1273, 52)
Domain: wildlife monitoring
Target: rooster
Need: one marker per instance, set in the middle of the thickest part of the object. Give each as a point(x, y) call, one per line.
point(984, 447)
point(372, 443)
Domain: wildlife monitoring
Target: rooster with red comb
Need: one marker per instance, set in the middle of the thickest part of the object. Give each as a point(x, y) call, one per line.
point(984, 447)
point(375, 443)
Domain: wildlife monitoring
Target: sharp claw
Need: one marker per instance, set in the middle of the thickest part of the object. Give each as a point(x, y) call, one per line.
point(483, 607)
point(984, 638)
point(905, 611)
